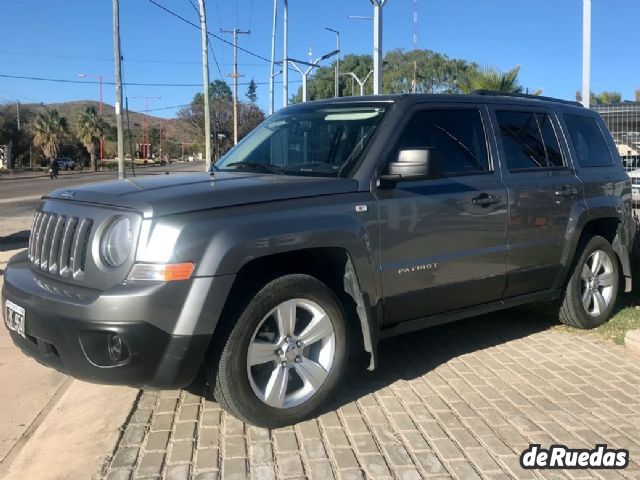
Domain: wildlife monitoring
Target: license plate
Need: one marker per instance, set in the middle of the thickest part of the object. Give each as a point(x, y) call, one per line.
point(14, 317)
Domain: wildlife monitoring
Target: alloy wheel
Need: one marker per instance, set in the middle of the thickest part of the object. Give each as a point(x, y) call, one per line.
point(291, 353)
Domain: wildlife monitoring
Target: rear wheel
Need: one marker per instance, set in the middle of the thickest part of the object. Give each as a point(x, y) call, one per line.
point(283, 355)
point(592, 290)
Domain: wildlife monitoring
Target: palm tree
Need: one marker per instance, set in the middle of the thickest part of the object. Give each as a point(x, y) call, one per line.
point(90, 129)
point(488, 78)
point(49, 131)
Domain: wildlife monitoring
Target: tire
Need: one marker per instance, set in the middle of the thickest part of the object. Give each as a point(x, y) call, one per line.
point(306, 365)
point(592, 289)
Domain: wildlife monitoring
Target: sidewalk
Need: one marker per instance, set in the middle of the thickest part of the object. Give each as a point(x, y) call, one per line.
point(51, 426)
point(459, 401)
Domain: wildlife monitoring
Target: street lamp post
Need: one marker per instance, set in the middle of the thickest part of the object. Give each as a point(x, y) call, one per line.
point(586, 53)
point(311, 66)
point(377, 45)
point(273, 58)
point(99, 77)
point(337, 80)
point(285, 58)
point(377, 42)
point(362, 83)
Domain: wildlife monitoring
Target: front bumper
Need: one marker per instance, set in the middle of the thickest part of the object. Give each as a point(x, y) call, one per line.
point(165, 328)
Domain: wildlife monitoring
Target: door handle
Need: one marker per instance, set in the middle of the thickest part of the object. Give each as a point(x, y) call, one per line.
point(567, 191)
point(485, 200)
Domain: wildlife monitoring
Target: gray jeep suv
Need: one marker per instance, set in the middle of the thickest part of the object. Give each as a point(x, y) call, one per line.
point(333, 225)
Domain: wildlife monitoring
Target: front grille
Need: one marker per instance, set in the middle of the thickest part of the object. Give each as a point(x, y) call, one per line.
point(58, 244)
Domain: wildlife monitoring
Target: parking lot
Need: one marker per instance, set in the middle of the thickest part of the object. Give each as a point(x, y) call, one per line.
point(457, 401)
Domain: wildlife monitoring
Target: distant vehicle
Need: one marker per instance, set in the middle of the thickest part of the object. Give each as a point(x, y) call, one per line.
point(66, 163)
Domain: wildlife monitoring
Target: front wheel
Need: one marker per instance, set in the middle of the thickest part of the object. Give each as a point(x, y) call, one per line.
point(284, 355)
point(592, 290)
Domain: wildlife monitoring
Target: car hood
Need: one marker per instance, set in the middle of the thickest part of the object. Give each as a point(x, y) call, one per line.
point(159, 195)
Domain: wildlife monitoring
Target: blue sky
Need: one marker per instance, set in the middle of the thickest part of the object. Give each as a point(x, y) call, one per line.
point(59, 39)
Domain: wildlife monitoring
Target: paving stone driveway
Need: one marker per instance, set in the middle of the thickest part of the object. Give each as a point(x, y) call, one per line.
point(457, 401)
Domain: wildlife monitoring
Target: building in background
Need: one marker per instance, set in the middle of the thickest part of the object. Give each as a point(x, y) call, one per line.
point(623, 120)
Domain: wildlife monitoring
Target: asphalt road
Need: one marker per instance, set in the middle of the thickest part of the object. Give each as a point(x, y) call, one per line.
point(19, 197)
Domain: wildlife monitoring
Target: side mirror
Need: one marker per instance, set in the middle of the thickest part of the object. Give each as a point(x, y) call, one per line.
point(414, 164)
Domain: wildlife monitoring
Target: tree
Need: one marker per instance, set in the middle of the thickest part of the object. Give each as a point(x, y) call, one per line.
point(252, 89)
point(221, 106)
point(602, 98)
point(607, 98)
point(49, 130)
point(434, 72)
point(638, 95)
point(89, 130)
point(489, 78)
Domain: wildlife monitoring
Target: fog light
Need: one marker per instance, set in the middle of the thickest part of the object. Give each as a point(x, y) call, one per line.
point(114, 347)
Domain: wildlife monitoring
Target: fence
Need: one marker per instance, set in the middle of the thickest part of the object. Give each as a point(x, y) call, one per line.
point(623, 120)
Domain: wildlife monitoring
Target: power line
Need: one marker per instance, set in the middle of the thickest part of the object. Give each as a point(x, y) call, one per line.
point(213, 53)
point(249, 52)
point(131, 84)
point(127, 60)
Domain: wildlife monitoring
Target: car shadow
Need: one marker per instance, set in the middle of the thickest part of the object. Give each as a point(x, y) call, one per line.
point(410, 356)
point(14, 241)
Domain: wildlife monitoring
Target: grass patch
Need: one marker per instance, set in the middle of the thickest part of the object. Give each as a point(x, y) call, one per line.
point(615, 329)
point(627, 314)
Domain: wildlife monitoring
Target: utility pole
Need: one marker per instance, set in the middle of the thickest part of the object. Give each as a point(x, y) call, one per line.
point(273, 58)
point(377, 45)
point(118, 73)
point(146, 138)
point(586, 53)
point(99, 77)
point(285, 58)
point(205, 82)
point(337, 74)
point(18, 112)
point(235, 75)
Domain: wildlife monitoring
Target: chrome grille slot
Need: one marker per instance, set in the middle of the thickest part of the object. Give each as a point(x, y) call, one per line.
point(65, 247)
point(39, 238)
point(34, 233)
point(79, 248)
point(59, 244)
point(55, 244)
point(46, 242)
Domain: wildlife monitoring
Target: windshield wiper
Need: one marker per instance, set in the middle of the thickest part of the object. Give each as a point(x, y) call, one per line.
point(256, 165)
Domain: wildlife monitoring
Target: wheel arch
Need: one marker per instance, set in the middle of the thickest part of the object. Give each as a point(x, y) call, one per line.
point(608, 222)
point(333, 265)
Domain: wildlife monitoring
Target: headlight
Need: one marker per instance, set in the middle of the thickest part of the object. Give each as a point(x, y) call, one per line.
point(117, 242)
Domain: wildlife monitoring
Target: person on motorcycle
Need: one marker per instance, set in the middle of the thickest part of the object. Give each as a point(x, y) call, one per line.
point(55, 168)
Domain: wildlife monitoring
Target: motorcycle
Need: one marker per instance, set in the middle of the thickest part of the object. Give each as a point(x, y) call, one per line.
point(52, 174)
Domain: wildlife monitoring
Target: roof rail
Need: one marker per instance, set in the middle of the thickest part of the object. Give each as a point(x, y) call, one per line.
point(496, 93)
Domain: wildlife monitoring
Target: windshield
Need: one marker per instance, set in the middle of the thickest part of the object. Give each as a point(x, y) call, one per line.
point(317, 141)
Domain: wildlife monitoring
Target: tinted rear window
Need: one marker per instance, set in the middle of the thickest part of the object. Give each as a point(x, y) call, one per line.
point(588, 141)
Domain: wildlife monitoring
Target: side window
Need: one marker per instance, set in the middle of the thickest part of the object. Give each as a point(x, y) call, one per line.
point(458, 136)
point(529, 140)
point(588, 141)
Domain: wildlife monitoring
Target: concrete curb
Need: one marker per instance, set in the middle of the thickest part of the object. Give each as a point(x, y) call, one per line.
point(632, 341)
point(78, 436)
